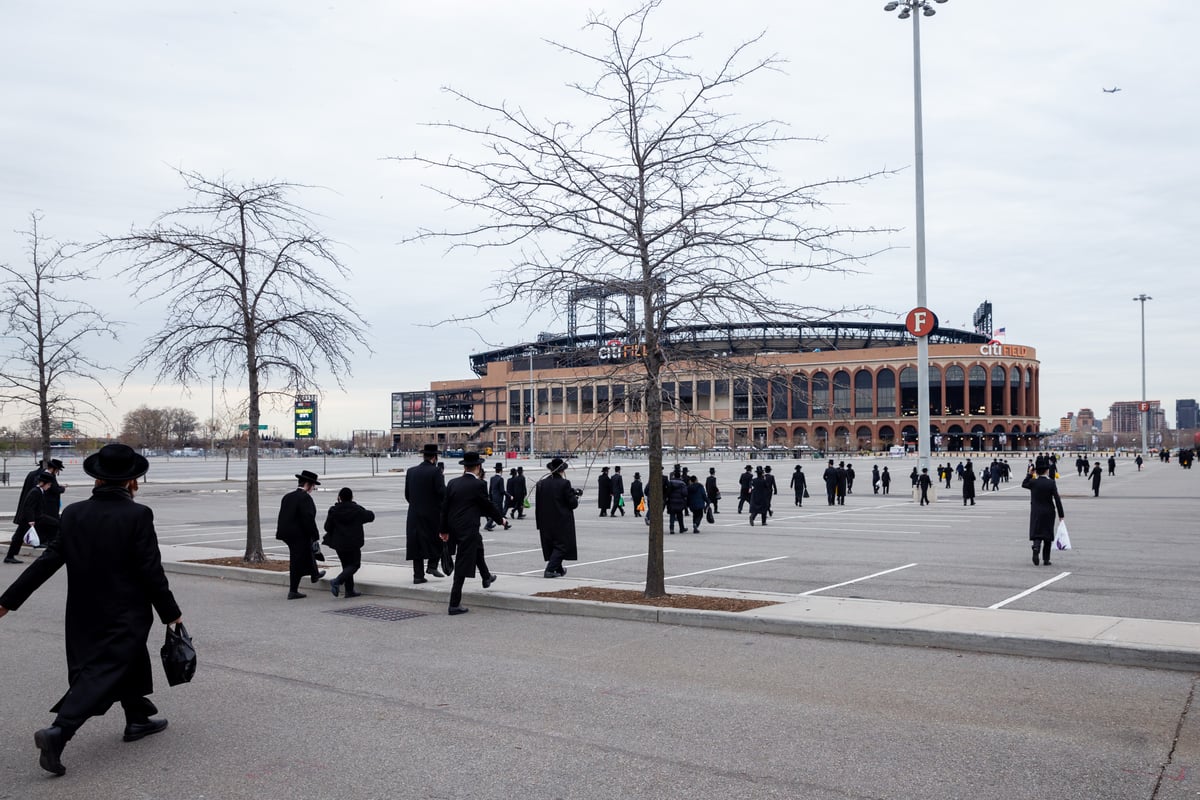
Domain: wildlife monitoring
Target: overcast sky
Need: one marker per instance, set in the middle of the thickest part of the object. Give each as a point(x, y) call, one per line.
point(1056, 201)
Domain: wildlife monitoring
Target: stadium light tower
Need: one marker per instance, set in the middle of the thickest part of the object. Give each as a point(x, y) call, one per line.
point(916, 9)
point(1144, 414)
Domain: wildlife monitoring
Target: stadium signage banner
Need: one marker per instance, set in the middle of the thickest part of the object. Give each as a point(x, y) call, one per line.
point(997, 349)
point(616, 350)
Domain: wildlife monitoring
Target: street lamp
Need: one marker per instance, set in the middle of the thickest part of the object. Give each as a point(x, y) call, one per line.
point(530, 410)
point(1145, 415)
point(907, 7)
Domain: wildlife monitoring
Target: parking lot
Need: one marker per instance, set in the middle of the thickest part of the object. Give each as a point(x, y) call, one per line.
point(1135, 550)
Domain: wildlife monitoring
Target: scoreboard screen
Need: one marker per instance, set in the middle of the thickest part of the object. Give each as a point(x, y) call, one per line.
point(305, 417)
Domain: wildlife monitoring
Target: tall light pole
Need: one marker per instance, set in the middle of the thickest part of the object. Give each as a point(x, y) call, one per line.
point(1144, 415)
point(529, 411)
point(916, 9)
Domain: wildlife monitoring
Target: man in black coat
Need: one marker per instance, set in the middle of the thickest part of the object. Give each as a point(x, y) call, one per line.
point(710, 489)
point(744, 487)
point(297, 528)
point(772, 489)
point(466, 501)
point(1044, 506)
point(521, 491)
point(52, 507)
point(830, 477)
point(636, 493)
point(604, 491)
point(554, 507)
point(617, 487)
point(424, 490)
point(497, 493)
point(114, 580)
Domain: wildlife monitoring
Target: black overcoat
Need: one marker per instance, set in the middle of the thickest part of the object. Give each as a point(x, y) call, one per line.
point(710, 488)
point(425, 490)
point(1043, 503)
point(344, 525)
point(760, 495)
point(466, 501)
point(297, 521)
point(36, 511)
point(53, 503)
point(968, 482)
point(496, 491)
point(115, 581)
point(554, 507)
point(744, 484)
point(635, 490)
point(1096, 478)
point(618, 484)
point(604, 491)
point(799, 483)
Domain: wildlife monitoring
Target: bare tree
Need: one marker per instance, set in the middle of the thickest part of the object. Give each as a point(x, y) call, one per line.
point(145, 427)
point(249, 285)
point(661, 195)
point(46, 333)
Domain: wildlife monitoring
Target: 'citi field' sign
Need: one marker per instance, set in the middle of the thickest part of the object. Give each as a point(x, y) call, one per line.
point(616, 350)
point(995, 348)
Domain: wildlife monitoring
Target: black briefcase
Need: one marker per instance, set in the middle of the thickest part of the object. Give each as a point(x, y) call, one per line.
point(178, 656)
point(447, 562)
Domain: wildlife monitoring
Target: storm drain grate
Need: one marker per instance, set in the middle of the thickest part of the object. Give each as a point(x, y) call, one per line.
point(385, 613)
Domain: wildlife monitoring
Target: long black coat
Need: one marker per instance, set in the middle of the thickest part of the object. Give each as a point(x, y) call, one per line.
point(744, 484)
point(799, 483)
point(1043, 503)
point(760, 495)
point(968, 482)
point(114, 580)
point(618, 484)
point(554, 514)
point(710, 488)
point(53, 504)
point(425, 490)
point(1095, 476)
point(297, 521)
point(39, 510)
point(344, 525)
point(604, 491)
point(466, 501)
point(519, 491)
point(636, 492)
point(497, 492)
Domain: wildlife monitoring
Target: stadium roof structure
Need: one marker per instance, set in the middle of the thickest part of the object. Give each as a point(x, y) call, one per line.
point(728, 339)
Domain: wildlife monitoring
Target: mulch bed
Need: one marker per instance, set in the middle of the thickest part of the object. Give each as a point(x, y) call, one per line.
point(271, 565)
point(636, 598)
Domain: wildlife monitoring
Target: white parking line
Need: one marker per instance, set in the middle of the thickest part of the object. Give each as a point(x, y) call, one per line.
point(856, 580)
point(718, 569)
point(514, 553)
point(1030, 591)
point(587, 563)
point(388, 550)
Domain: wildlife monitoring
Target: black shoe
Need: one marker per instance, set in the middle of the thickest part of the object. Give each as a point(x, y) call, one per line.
point(296, 595)
point(550, 574)
point(562, 571)
point(489, 580)
point(50, 742)
point(350, 594)
point(435, 572)
point(1046, 563)
point(604, 513)
point(140, 730)
point(455, 610)
point(489, 527)
point(320, 574)
point(13, 561)
point(752, 522)
point(420, 580)
point(1035, 559)
point(335, 587)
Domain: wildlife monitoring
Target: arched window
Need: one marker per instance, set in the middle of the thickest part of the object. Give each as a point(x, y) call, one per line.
point(887, 435)
point(863, 435)
point(779, 435)
point(864, 405)
point(842, 436)
point(977, 390)
point(799, 396)
point(885, 383)
point(1014, 391)
point(821, 437)
point(955, 378)
point(820, 395)
point(908, 392)
point(935, 391)
point(841, 393)
point(997, 390)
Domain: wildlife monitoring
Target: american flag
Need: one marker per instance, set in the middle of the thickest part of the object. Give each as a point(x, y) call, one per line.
point(1000, 333)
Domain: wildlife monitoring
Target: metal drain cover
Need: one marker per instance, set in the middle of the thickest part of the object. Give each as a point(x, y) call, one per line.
point(386, 613)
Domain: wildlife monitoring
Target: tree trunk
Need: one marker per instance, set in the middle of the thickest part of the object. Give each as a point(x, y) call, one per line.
point(655, 567)
point(254, 547)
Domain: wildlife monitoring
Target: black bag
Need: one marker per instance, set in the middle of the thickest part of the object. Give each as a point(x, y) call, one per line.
point(806, 494)
point(178, 656)
point(709, 516)
point(447, 562)
point(317, 554)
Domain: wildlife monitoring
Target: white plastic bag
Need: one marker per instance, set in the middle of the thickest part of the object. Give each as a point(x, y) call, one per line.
point(1062, 539)
point(31, 537)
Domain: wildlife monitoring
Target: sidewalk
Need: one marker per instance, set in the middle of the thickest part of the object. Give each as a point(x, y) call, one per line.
point(1156, 644)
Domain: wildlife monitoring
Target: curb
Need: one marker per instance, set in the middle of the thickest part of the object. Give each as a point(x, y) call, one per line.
point(1066, 649)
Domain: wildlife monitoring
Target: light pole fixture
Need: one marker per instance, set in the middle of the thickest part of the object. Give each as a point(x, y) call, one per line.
point(1144, 411)
point(907, 9)
point(529, 411)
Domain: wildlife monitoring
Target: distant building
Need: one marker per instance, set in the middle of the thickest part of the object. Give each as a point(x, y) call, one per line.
point(1186, 414)
point(1067, 424)
point(1123, 416)
point(1085, 421)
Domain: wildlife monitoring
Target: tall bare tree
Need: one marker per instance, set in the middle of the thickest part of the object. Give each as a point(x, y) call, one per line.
point(47, 333)
point(250, 291)
point(660, 194)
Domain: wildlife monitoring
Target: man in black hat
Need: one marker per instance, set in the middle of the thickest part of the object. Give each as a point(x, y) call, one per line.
point(38, 511)
point(466, 501)
point(497, 494)
point(520, 492)
point(114, 579)
point(297, 527)
point(52, 506)
point(554, 513)
point(424, 490)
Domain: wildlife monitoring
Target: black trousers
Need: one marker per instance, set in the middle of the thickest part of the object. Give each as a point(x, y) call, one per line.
point(554, 563)
point(351, 558)
point(674, 517)
point(617, 505)
point(924, 496)
point(419, 567)
point(14, 548)
point(829, 492)
point(460, 578)
point(300, 563)
point(1044, 546)
point(697, 516)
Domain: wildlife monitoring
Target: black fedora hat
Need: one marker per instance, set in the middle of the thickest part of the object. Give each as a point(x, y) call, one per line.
point(56, 464)
point(45, 477)
point(471, 459)
point(306, 476)
point(556, 465)
point(499, 467)
point(429, 450)
point(116, 462)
